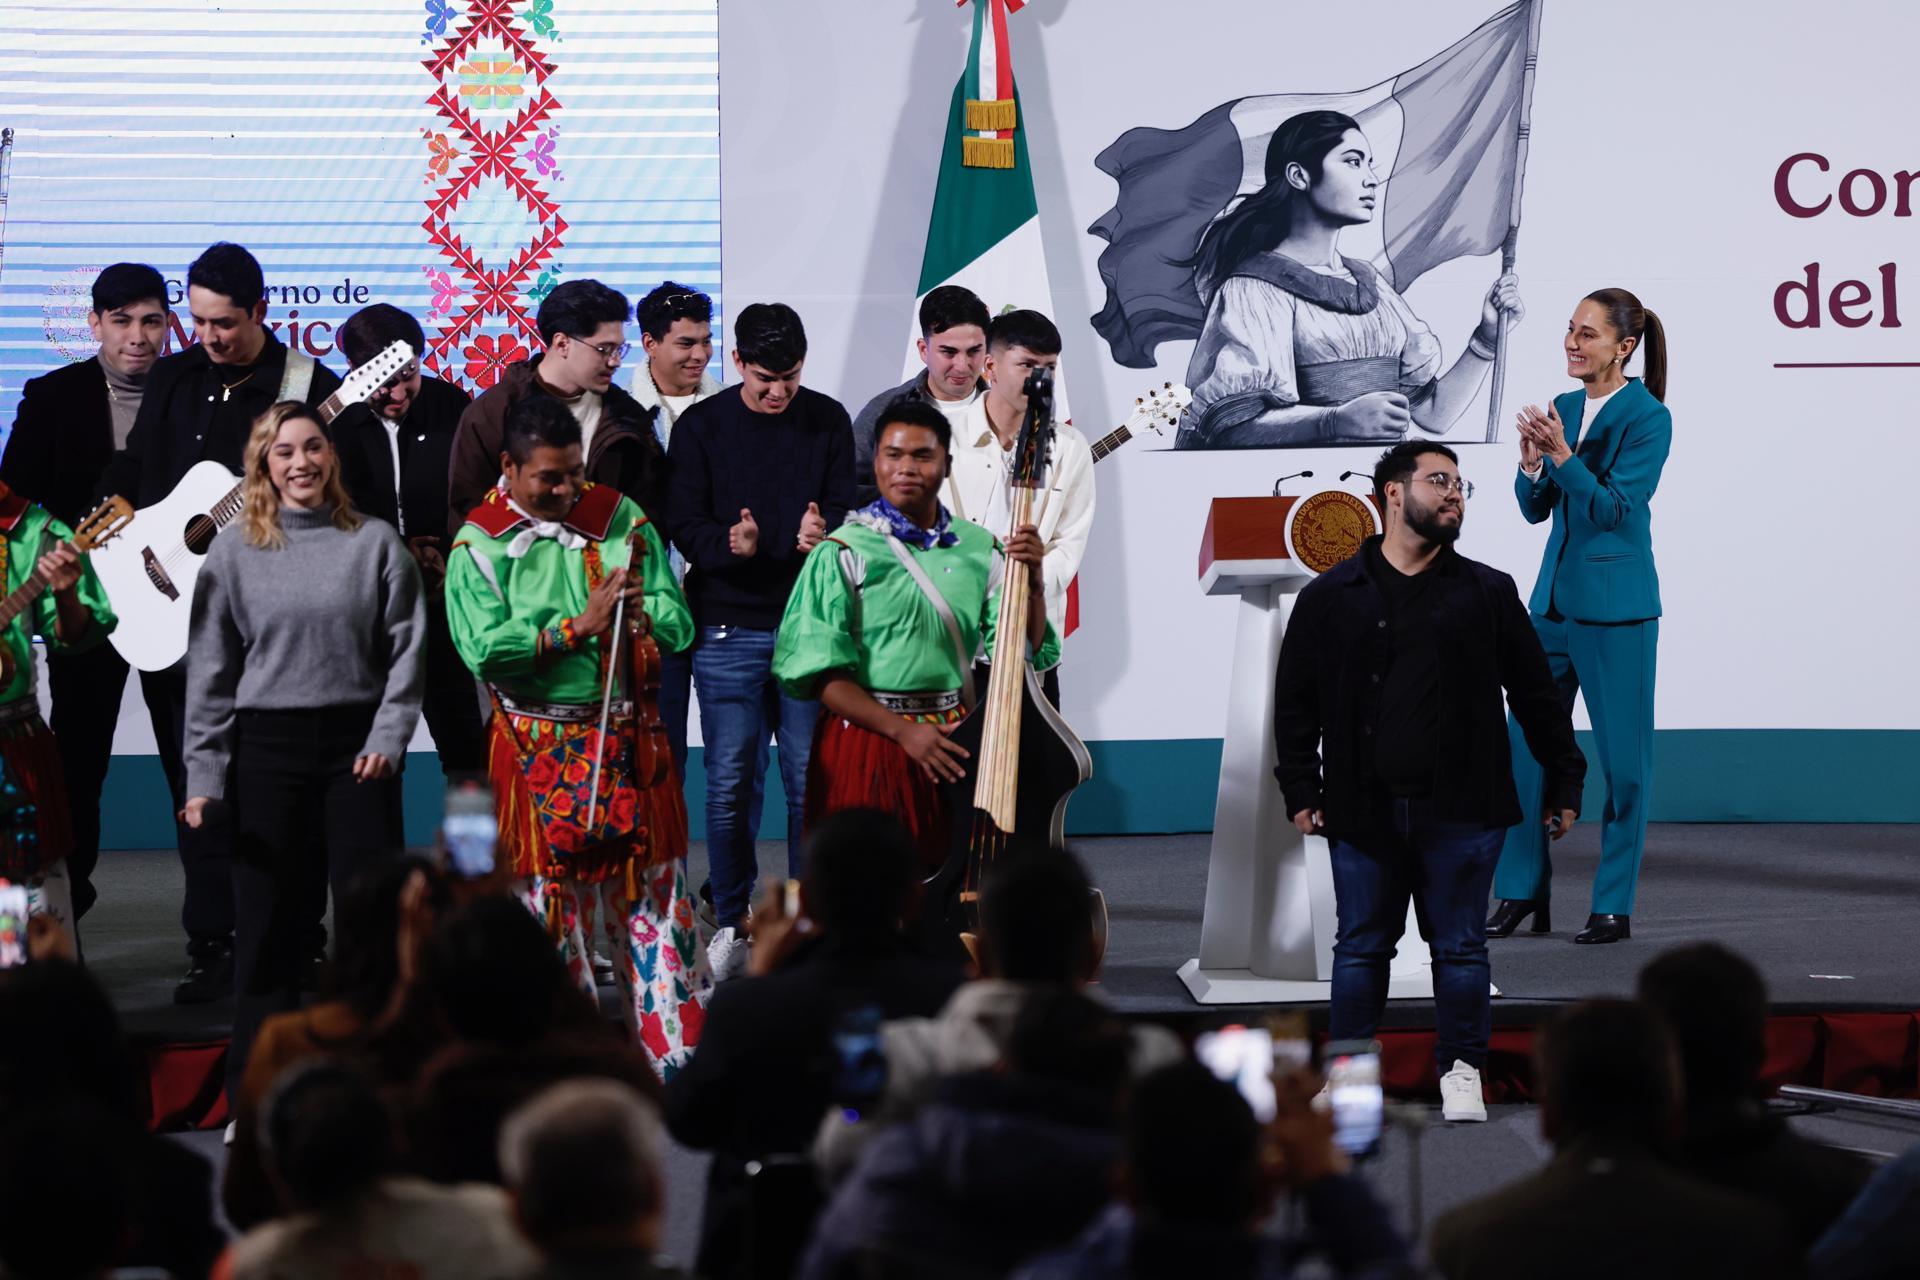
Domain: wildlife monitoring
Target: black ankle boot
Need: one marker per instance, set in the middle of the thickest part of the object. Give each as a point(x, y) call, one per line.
point(1604, 928)
point(1509, 912)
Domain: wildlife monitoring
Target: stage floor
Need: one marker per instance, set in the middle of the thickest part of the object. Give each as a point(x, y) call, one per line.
point(1826, 912)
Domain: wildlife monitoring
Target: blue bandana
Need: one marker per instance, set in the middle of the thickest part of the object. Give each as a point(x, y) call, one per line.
point(882, 516)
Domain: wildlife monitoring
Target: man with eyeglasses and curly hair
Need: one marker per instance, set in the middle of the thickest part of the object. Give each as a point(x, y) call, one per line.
point(1390, 741)
point(584, 326)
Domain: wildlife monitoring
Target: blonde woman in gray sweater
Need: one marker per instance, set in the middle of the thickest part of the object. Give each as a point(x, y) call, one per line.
point(304, 679)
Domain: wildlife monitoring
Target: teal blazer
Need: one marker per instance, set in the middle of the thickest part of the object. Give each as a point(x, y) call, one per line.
point(1598, 565)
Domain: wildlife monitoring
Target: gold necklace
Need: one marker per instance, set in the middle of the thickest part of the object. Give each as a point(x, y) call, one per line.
point(226, 388)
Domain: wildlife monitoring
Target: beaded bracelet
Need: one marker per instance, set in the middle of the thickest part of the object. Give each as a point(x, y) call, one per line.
point(560, 637)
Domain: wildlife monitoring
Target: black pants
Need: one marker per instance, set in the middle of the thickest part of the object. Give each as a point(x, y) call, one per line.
point(86, 689)
point(293, 777)
point(206, 909)
point(206, 905)
point(452, 702)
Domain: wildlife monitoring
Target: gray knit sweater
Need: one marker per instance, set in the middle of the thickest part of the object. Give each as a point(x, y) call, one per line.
point(332, 619)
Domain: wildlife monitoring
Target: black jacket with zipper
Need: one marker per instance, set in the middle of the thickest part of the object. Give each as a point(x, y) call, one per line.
point(1327, 693)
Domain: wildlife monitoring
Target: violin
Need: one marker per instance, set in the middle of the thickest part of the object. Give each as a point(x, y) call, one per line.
point(636, 660)
point(1023, 761)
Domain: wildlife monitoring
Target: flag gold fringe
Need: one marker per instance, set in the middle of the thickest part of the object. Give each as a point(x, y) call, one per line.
point(986, 153)
point(993, 113)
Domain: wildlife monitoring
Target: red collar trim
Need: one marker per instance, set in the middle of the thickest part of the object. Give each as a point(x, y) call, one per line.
point(591, 517)
point(13, 507)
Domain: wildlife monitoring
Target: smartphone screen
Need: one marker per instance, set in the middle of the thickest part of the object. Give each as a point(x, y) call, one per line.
point(13, 925)
point(860, 1067)
point(470, 831)
point(1243, 1057)
point(1353, 1087)
point(1292, 1040)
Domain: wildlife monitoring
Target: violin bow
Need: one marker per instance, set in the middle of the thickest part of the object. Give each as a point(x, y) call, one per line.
point(615, 636)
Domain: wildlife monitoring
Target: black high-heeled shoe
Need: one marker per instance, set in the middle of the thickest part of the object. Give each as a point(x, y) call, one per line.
point(1510, 912)
point(1604, 928)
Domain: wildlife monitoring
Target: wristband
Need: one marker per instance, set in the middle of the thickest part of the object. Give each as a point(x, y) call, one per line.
point(1479, 346)
point(560, 637)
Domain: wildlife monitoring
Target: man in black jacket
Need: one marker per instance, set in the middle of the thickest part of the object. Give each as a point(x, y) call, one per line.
point(64, 433)
point(394, 453)
point(768, 1067)
point(1388, 728)
point(760, 473)
point(199, 406)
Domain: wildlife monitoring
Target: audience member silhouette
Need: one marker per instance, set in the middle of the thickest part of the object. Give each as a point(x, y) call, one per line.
point(1609, 1203)
point(583, 1163)
point(1716, 1004)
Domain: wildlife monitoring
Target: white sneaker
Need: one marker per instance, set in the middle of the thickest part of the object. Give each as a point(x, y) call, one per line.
point(1460, 1094)
point(728, 954)
point(233, 1129)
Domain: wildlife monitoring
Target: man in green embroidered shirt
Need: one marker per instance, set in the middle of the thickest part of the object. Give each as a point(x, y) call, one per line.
point(861, 634)
point(69, 612)
point(534, 582)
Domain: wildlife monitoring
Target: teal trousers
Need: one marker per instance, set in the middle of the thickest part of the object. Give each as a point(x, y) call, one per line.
point(1612, 666)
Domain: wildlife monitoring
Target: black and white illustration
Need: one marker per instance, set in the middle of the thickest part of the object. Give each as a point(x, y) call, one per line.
point(1282, 233)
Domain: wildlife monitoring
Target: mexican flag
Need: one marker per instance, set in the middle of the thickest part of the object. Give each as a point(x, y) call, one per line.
point(985, 229)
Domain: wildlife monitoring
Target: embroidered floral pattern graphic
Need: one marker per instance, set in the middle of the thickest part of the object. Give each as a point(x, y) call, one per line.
point(488, 357)
point(495, 228)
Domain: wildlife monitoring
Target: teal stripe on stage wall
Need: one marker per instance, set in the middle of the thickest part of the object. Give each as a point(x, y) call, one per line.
point(1149, 787)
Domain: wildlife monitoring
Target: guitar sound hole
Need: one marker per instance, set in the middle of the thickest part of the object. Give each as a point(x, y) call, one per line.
point(199, 534)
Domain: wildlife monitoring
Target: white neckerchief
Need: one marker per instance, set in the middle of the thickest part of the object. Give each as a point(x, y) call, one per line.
point(523, 541)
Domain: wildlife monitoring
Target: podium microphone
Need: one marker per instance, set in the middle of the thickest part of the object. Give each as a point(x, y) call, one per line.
point(1295, 476)
point(1345, 475)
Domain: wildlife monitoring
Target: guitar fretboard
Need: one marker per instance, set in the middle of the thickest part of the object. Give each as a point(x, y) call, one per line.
point(228, 507)
point(1108, 443)
point(22, 596)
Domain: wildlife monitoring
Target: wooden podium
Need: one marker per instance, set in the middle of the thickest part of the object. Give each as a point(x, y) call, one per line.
point(1267, 934)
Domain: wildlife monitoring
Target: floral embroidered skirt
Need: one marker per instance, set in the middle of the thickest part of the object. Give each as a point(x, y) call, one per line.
point(659, 966)
point(542, 775)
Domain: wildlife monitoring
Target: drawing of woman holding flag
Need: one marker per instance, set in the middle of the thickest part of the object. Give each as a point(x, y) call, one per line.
point(1302, 346)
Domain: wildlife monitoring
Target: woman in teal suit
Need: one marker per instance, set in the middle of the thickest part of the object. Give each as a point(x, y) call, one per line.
point(1596, 603)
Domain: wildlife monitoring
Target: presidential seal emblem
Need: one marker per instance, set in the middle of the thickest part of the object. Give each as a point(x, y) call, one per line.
point(1325, 528)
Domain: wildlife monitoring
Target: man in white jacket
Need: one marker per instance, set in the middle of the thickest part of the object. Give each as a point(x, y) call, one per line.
point(1019, 342)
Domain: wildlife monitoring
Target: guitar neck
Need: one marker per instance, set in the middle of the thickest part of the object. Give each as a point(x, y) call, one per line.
point(223, 512)
point(21, 597)
point(1112, 440)
point(330, 408)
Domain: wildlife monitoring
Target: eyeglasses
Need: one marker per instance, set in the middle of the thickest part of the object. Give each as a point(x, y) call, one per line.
point(611, 352)
point(1450, 484)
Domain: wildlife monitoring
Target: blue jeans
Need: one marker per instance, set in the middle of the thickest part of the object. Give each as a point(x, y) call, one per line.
point(1447, 868)
point(741, 707)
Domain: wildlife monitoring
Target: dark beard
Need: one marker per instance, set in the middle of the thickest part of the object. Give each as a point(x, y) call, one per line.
point(1425, 521)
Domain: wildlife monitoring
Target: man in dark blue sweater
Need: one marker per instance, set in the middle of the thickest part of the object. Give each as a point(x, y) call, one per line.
point(759, 473)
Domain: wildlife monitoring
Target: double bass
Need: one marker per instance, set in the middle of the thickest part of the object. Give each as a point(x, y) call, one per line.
point(636, 662)
point(1023, 761)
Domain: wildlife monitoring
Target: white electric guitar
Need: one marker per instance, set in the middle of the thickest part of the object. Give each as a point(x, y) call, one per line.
point(149, 572)
point(1160, 407)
